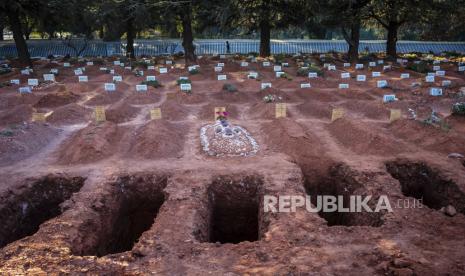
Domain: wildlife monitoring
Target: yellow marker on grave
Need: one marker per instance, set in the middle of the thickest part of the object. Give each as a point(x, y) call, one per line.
point(396, 114)
point(219, 109)
point(99, 114)
point(155, 114)
point(280, 110)
point(38, 117)
point(337, 114)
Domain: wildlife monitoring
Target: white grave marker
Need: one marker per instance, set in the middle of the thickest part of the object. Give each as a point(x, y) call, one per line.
point(141, 87)
point(375, 74)
point(277, 68)
point(389, 98)
point(32, 82)
point(25, 89)
point(404, 75)
point(312, 75)
point(163, 70)
point(49, 77)
point(265, 85)
point(117, 78)
point(305, 85)
point(358, 66)
point(83, 78)
point(222, 77)
point(110, 87)
point(186, 87)
point(381, 84)
point(361, 77)
point(345, 75)
point(14, 81)
point(429, 79)
point(343, 86)
point(435, 91)
point(150, 78)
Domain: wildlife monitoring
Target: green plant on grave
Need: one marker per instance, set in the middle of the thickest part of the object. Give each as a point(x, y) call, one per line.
point(270, 98)
point(140, 63)
point(421, 67)
point(7, 133)
point(98, 61)
point(153, 83)
point(458, 109)
point(229, 87)
point(183, 81)
point(5, 70)
point(286, 76)
point(303, 71)
point(194, 71)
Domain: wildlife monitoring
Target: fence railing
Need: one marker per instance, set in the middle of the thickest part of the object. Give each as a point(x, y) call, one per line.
point(43, 48)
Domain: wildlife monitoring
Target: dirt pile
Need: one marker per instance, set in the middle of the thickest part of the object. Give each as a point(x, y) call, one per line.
point(56, 99)
point(121, 113)
point(17, 114)
point(70, 114)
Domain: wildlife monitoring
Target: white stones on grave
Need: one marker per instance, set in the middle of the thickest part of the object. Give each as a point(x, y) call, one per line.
point(110, 87)
point(218, 69)
point(277, 68)
point(252, 75)
point(163, 70)
point(14, 81)
point(446, 83)
point(305, 85)
point(117, 78)
point(361, 77)
point(186, 87)
point(429, 79)
point(358, 66)
point(405, 76)
point(32, 82)
point(150, 78)
point(244, 64)
point(326, 65)
point(372, 64)
point(78, 72)
point(381, 84)
point(440, 73)
point(90, 63)
point(343, 86)
point(222, 77)
point(49, 77)
point(141, 87)
point(389, 98)
point(346, 64)
point(83, 78)
point(434, 91)
point(266, 64)
point(332, 68)
point(54, 71)
point(26, 71)
point(285, 64)
point(375, 74)
point(265, 85)
point(25, 89)
point(66, 64)
point(436, 68)
point(387, 67)
point(312, 75)
point(193, 67)
point(345, 75)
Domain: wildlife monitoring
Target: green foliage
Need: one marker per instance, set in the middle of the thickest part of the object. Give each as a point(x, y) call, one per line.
point(194, 71)
point(421, 67)
point(182, 81)
point(303, 72)
point(4, 70)
point(7, 133)
point(229, 87)
point(286, 76)
point(98, 61)
point(458, 109)
point(140, 63)
point(153, 83)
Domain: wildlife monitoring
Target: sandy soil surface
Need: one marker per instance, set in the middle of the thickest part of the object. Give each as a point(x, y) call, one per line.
point(136, 196)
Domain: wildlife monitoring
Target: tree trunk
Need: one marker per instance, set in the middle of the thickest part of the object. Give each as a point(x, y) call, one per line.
point(187, 36)
point(130, 38)
point(354, 41)
point(2, 27)
point(21, 46)
point(391, 50)
point(265, 35)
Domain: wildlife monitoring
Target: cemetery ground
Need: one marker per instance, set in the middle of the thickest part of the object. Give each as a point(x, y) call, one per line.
point(119, 182)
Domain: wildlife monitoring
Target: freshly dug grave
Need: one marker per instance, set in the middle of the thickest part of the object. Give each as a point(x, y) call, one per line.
point(70, 114)
point(420, 181)
point(129, 210)
point(36, 201)
point(104, 98)
point(158, 139)
point(56, 99)
point(194, 98)
point(121, 112)
point(90, 144)
point(24, 140)
point(368, 109)
point(8, 101)
point(233, 97)
point(147, 97)
point(316, 110)
point(173, 111)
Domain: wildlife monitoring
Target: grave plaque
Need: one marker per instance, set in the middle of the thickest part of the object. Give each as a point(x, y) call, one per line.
point(265, 85)
point(375, 74)
point(25, 89)
point(395, 115)
point(110, 87)
point(32, 82)
point(83, 78)
point(337, 113)
point(49, 77)
point(361, 77)
point(155, 114)
point(150, 78)
point(38, 117)
point(163, 70)
point(117, 78)
point(305, 85)
point(280, 111)
point(141, 87)
point(345, 75)
point(186, 87)
point(222, 77)
point(343, 86)
point(99, 114)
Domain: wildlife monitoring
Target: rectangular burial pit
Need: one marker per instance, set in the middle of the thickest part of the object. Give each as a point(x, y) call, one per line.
point(340, 181)
point(234, 210)
point(129, 210)
point(24, 210)
point(419, 181)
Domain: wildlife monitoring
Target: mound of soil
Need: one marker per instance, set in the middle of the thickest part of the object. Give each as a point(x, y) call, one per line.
point(143, 98)
point(314, 109)
point(56, 99)
point(429, 137)
point(264, 111)
point(362, 139)
point(171, 110)
point(121, 113)
point(207, 112)
point(70, 114)
point(158, 139)
point(90, 144)
point(232, 97)
point(18, 114)
point(369, 109)
point(24, 141)
point(193, 98)
point(282, 96)
point(105, 98)
point(8, 101)
point(317, 95)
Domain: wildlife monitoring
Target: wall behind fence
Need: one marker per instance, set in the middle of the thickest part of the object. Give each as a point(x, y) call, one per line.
point(43, 48)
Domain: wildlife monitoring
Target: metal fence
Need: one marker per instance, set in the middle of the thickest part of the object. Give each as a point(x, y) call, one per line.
point(43, 48)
